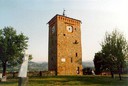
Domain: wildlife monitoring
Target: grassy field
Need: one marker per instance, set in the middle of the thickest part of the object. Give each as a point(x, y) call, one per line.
point(70, 80)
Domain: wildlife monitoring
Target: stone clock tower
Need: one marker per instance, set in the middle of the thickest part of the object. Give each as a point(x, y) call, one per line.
point(65, 55)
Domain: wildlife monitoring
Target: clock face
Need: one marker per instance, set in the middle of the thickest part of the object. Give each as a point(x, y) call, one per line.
point(53, 29)
point(70, 28)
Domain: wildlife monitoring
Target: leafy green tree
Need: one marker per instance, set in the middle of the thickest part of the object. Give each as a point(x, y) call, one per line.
point(12, 47)
point(30, 57)
point(115, 51)
point(98, 60)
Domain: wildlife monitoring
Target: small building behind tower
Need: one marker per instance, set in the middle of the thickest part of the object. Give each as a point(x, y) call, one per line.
point(65, 53)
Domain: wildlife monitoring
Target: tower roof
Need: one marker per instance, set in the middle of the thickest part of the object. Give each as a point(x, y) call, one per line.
point(62, 16)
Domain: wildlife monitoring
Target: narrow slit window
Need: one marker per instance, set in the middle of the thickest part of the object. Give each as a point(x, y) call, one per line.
point(76, 54)
point(71, 60)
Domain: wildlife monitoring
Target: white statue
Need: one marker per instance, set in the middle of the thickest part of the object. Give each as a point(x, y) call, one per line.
point(24, 67)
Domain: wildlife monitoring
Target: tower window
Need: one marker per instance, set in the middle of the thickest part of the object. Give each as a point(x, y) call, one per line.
point(76, 42)
point(71, 60)
point(76, 54)
point(78, 70)
point(53, 29)
point(64, 35)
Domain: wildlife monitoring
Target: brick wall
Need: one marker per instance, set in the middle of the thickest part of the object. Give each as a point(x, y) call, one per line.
point(67, 48)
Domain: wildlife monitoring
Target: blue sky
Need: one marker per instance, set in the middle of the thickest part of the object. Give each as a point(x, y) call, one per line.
point(97, 16)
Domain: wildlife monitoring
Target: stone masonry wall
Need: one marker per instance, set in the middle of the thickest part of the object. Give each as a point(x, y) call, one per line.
point(66, 47)
point(65, 53)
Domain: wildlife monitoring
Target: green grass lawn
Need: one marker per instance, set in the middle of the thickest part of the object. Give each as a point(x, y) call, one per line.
point(70, 80)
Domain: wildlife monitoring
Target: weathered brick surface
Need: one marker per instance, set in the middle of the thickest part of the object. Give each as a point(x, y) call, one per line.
point(65, 45)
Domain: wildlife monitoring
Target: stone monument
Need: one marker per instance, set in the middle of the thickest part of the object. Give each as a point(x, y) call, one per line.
point(23, 79)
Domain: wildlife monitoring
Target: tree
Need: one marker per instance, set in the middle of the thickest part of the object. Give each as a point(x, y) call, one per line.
point(98, 62)
point(12, 47)
point(101, 63)
point(115, 51)
point(30, 57)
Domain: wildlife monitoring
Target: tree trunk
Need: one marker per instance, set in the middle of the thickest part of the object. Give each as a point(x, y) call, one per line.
point(119, 71)
point(120, 76)
point(13, 74)
point(4, 68)
point(112, 74)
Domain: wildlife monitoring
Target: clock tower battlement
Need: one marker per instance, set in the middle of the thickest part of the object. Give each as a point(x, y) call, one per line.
point(65, 53)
